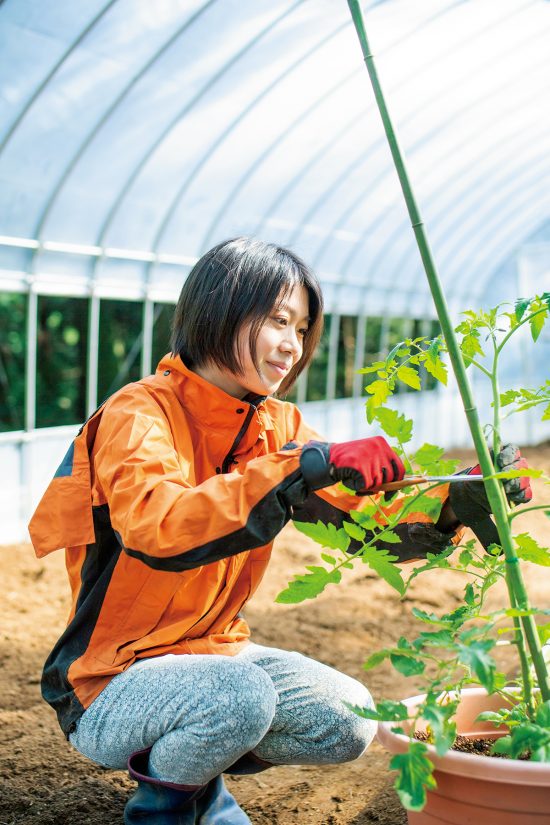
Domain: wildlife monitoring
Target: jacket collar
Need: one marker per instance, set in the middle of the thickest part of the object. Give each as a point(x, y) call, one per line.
point(208, 404)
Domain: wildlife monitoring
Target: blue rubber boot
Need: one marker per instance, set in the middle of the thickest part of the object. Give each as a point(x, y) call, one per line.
point(156, 802)
point(165, 803)
point(218, 807)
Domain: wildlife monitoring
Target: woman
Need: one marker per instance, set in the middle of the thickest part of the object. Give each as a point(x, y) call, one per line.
point(168, 502)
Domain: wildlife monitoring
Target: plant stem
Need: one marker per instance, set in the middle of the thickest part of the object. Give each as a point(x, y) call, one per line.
point(523, 510)
point(495, 494)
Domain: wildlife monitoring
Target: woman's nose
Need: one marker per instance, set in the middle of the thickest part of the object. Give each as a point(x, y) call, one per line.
point(292, 342)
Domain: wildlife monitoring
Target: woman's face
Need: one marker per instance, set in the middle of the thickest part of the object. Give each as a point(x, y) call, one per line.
point(278, 347)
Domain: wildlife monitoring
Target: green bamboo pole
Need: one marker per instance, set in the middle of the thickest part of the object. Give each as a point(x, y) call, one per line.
point(514, 578)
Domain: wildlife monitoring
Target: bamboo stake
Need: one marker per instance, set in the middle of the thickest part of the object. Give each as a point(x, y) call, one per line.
point(495, 493)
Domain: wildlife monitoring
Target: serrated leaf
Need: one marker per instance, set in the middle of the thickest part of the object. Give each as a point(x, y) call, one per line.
point(325, 534)
point(375, 659)
point(409, 376)
point(308, 586)
point(508, 397)
point(390, 537)
point(415, 776)
point(396, 351)
point(429, 618)
point(407, 665)
point(438, 717)
point(476, 656)
point(428, 454)
point(529, 472)
point(529, 550)
point(354, 530)
point(379, 392)
point(385, 711)
point(536, 322)
point(372, 367)
point(379, 561)
point(395, 424)
point(328, 559)
point(436, 638)
point(520, 307)
point(438, 369)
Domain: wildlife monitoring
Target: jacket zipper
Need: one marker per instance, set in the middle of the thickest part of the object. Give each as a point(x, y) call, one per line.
point(229, 459)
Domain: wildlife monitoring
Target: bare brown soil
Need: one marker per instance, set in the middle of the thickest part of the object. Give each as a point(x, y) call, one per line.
point(45, 782)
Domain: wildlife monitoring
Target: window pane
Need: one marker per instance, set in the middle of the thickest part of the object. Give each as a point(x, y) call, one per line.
point(13, 340)
point(317, 373)
point(120, 340)
point(161, 331)
point(346, 356)
point(61, 360)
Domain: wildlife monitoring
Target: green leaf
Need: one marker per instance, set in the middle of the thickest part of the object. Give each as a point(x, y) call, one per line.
point(372, 367)
point(508, 397)
point(428, 454)
point(308, 586)
point(438, 717)
point(536, 322)
point(385, 711)
point(520, 307)
point(476, 656)
point(376, 659)
point(389, 536)
point(354, 530)
point(542, 716)
point(529, 550)
point(394, 424)
point(469, 595)
point(526, 471)
point(409, 376)
point(379, 392)
point(438, 369)
point(325, 534)
point(437, 638)
point(396, 351)
point(415, 776)
point(407, 665)
point(328, 559)
point(381, 562)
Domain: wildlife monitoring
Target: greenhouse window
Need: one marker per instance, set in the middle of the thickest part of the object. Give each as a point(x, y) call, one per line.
point(13, 344)
point(61, 360)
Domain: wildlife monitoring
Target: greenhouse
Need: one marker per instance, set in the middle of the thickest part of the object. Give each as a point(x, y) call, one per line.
point(135, 135)
point(132, 142)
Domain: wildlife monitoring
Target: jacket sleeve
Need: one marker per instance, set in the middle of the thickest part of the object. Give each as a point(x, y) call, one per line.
point(165, 519)
point(417, 532)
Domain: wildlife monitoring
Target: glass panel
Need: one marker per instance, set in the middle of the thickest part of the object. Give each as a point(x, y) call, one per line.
point(161, 331)
point(13, 340)
point(346, 356)
point(120, 339)
point(317, 373)
point(61, 360)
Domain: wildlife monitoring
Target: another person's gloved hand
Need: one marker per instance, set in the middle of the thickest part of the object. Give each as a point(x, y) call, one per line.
point(361, 465)
point(469, 500)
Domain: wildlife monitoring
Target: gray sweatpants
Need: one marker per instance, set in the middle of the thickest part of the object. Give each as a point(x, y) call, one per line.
point(200, 713)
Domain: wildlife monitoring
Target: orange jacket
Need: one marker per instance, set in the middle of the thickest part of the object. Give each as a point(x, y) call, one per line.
point(167, 503)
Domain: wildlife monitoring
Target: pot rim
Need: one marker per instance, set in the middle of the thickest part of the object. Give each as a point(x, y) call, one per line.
point(514, 771)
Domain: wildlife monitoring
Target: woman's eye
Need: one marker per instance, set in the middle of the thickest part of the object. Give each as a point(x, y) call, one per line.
point(280, 320)
point(303, 332)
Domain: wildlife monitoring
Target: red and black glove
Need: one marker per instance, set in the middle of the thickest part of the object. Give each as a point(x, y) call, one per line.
point(362, 465)
point(469, 500)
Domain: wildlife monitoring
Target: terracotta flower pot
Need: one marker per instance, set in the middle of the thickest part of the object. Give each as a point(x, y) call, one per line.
point(478, 790)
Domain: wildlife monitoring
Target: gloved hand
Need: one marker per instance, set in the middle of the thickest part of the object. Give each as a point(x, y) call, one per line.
point(361, 465)
point(469, 500)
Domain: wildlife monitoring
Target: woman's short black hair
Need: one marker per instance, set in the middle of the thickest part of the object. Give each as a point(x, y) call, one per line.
point(238, 282)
